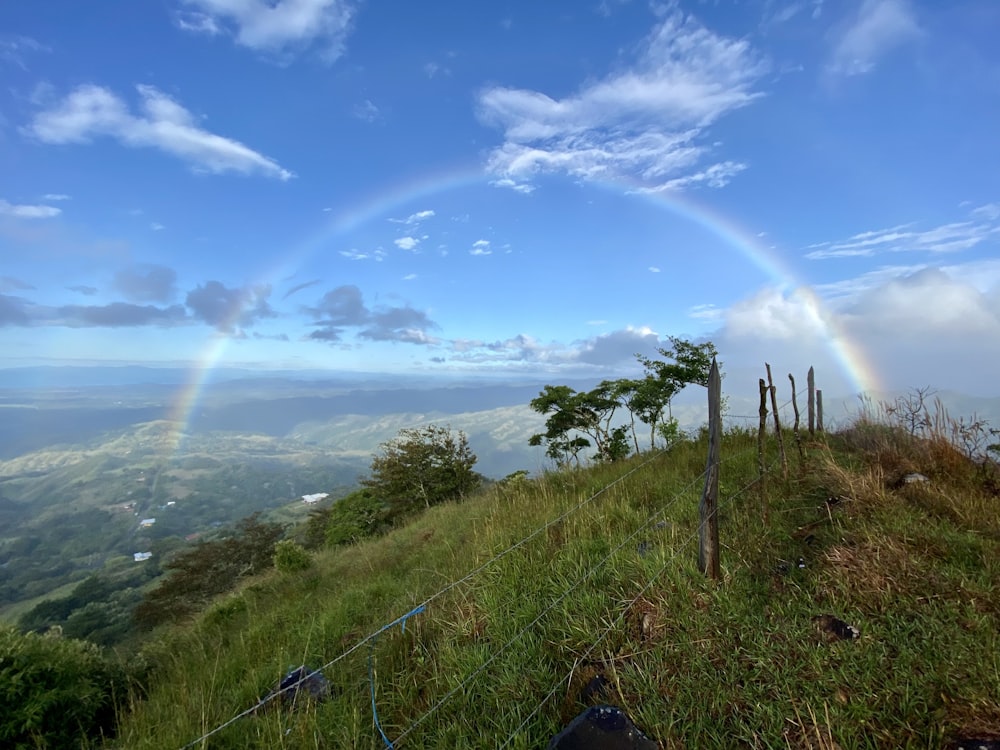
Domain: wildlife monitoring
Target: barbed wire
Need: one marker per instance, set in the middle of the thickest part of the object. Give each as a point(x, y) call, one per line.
point(420, 607)
point(621, 615)
point(673, 500)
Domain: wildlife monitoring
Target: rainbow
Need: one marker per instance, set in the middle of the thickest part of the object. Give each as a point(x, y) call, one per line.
point(851, 359)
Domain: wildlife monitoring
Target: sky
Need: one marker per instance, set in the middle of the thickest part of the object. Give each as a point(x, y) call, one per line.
point(504, 189)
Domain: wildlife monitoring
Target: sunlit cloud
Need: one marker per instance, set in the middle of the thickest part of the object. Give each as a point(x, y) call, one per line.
point(91, 111)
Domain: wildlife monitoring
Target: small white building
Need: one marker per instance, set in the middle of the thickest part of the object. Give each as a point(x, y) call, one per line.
point(147, 522)
point(140, 556)
point(315, 498)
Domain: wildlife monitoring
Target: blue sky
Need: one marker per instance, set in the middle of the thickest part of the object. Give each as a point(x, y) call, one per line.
point(504, 188)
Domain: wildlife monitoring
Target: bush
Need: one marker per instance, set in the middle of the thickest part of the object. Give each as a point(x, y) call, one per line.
point(55, 691)
point(358, 516)
point(291, 557)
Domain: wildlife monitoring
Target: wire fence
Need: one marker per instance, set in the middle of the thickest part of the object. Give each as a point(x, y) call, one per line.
point(421, 607)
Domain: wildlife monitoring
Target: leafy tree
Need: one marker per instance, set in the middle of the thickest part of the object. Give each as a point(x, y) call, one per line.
point(56, 692)
point(208, 569)
point(685, 363)
point(358, 516)
point(572, 414)
point(422, 467)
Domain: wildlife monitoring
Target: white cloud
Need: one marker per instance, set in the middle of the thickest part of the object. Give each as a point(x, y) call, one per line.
point(273, 26)
point(90, 111)
point(481, 247)
point(23, 211)
point(376, 255)
point(414, 218)
point(406, 243)
point(654, 269)
point(989, 212)
point(705, 312)
point(56, 197)
point(157, 226)
point(946, 238)
point(410, 277)
point(644, 122)
point(880, 26)
point(367, 111)
point(905, 327)
point(14, 49)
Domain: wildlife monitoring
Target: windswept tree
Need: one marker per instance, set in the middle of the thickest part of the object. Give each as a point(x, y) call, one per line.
point(684, 363)
point(580, 419)
point(574, 414)
point(422, 467)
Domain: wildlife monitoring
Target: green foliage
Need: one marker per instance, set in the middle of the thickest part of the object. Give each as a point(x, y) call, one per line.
point(422, 467)
point(358, 516)
point(55, 692)
point(573, 415)
point(207, 570)
point(291, 557)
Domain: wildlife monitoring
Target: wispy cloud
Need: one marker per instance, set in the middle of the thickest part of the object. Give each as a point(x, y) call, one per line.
point(367, 111)
point(56, 197)
point(415, 218)
point(14, 49)
point(376, 255)
point(273, 26)
point(90, 111)
point(947, 238)
point(406, 243)
point(25, 211)
point(299, 288)
point(879, 27)
point(644, 122)
point(9, 284)
point(157, 226)
point(654, 269)
point(410, 277)
point(146, 283)
point(87, 291)
point(481, 247)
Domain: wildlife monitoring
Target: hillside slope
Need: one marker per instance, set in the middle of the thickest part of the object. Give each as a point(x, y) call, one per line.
point(534, 589)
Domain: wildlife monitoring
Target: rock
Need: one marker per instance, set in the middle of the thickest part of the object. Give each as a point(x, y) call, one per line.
point(835, 628)
point(914, 478)
point(602, 728)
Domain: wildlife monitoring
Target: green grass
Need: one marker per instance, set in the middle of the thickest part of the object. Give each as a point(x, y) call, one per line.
point(607, 590)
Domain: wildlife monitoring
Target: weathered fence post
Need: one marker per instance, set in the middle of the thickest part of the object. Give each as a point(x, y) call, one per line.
point(761, 436)
point(777, 422)
point(795, 428)
point(708, 530)
point(819, 410)
point(811, 386)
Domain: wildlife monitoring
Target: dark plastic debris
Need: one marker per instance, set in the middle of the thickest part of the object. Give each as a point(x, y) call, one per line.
point(602, 728)
point(596, 689)
point(299, 682)
point(836, 627)
point(643, 548)
point(801, 562)
point(974, 743)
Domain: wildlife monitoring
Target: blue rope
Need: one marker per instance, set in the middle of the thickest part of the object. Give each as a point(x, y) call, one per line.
point(371, 667)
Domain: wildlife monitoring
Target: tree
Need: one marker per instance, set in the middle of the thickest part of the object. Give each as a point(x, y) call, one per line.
point(572, 413)
point(208, 569)
point(422, 467)
point(652, 394)
point(358, 516)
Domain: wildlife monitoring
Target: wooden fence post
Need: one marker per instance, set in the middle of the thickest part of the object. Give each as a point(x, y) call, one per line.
point(777, 422)
point(708, 530)
point(795, 428)
point(761, 436)
point(811, 386)
point(819, 410)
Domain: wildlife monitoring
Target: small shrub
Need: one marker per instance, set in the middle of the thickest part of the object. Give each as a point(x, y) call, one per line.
point(56, 691)
point(291, 557)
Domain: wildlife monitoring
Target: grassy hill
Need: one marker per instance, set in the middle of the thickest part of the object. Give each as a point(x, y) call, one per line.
point(532, 589)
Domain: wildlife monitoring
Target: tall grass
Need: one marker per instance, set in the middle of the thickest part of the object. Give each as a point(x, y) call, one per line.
point(613, 589)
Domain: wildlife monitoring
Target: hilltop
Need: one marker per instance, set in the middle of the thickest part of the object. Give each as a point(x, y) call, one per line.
point(536, 589)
